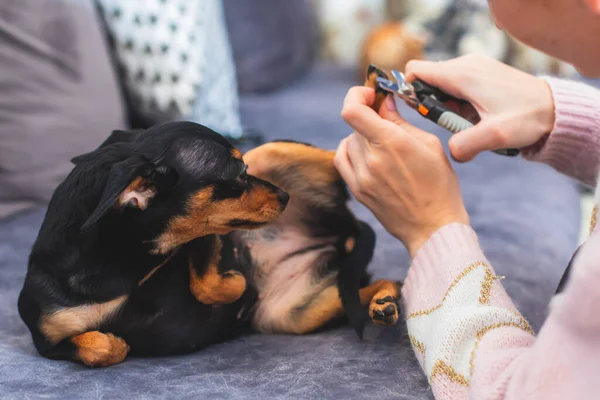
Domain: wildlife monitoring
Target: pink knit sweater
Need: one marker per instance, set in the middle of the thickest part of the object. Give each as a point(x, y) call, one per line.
point(468, 336)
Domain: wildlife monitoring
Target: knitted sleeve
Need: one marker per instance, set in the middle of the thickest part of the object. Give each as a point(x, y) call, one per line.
point(472, 342)
point(573, 146)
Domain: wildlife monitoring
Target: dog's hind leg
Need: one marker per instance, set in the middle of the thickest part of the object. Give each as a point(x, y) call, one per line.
point(317, 310)
point(382, 297)
point(67, 334)
point(94, 349)
point(207, 283)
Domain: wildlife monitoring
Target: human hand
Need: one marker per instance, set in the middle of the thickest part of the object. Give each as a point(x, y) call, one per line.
point(516, 109)
point(399, 172)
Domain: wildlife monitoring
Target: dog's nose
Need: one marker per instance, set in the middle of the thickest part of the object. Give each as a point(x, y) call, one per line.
point(283, 198)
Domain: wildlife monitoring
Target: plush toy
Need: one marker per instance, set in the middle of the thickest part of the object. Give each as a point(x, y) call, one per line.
point(390, 46)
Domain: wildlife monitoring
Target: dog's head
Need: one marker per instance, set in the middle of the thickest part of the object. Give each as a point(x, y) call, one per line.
point(179, 181)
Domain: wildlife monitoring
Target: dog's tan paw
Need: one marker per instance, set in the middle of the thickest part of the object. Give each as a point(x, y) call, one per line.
point(96, 349)
point(383, 309)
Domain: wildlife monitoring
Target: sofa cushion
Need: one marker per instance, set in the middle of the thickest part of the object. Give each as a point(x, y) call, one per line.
point(175, 61)
point(59, 95)
point(274, 41)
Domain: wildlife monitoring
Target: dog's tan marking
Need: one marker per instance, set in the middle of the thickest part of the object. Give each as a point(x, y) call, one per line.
point(214, 288)
point(350, 243)
point(96, 349)
point(206, 216)
point(72, 321)
point(137, 194)
point(235, 153)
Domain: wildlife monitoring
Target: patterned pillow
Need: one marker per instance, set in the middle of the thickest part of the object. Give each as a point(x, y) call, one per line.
point(175, 60)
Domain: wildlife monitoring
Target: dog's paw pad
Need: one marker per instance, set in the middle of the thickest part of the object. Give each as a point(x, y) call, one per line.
point(387, 299)
point(384, 310)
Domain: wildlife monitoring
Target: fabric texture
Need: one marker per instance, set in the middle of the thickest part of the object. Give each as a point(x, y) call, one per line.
point(175, 59)
point(274, 42)
point(59, 96)
point(573, 147)
point(470, 339)
point(217, 105)
point(509, 200)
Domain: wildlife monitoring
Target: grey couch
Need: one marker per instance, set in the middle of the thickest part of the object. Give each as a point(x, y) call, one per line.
point(526, 215)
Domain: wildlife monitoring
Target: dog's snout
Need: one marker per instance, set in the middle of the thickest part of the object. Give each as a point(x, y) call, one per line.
point(283, 198)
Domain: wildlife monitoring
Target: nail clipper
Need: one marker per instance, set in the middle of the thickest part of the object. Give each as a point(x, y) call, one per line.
point(429, 102)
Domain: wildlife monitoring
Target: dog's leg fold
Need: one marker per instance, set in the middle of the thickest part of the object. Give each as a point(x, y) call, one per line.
point(208, 284)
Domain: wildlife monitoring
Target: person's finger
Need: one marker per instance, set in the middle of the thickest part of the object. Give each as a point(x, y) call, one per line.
point(389, 111)
point(366, 122)
point(441, 74)
point(344, 165)
point(466, 145)
point(362, 95)
point(357, 148)
point(362, 118)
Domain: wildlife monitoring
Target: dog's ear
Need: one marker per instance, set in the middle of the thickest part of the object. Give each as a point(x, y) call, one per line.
point(129, 183)
point(116, 136)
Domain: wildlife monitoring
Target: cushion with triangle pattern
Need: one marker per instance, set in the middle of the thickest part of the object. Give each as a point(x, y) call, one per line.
point(175, 60)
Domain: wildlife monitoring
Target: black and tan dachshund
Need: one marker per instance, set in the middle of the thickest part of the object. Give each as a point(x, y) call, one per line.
point(167, 240)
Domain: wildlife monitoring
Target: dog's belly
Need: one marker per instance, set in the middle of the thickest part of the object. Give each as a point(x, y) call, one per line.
point(291, 285)
point(162, 317)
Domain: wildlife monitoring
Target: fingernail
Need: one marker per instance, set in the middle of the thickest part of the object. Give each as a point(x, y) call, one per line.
point(390, 103)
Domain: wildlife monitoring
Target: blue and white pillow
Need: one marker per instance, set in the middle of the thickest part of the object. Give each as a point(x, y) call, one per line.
point(217, 104)
point(176, 60)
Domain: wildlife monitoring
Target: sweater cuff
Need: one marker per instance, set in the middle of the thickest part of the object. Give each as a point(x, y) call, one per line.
point(438, 263)
point(573, 146)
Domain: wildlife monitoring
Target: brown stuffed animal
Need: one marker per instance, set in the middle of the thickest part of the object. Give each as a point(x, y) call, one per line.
point(389, 46)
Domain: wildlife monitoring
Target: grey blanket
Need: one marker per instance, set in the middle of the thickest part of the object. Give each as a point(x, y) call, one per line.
point(526, 215)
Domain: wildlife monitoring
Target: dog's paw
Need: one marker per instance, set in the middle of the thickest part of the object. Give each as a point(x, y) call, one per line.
point(234, 285)
point(96, 349)
point(383, 309)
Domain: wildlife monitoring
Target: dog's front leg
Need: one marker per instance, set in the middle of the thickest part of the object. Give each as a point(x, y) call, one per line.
point(207, 283)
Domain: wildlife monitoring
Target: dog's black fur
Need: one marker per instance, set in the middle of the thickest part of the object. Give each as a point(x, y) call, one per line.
point(96, 245)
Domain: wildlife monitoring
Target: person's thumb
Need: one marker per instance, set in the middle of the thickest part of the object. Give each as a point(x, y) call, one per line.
point(466, 145)
point(389, 110)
